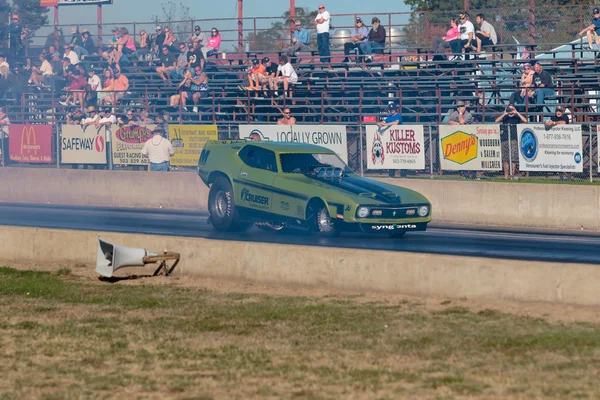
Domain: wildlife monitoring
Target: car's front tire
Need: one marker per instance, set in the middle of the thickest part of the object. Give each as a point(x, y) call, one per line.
point(319, 220)
point(221, 206)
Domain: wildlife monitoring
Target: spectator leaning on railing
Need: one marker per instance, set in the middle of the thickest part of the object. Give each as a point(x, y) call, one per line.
point(460, 116)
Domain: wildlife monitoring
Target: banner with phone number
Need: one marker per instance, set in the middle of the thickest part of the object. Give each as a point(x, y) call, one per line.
point(188, 141)
point(127, 144)
point(556, 149)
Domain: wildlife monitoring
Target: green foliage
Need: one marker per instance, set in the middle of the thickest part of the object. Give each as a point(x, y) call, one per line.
point(31, 15)
point(172, 15)
point(279, 34)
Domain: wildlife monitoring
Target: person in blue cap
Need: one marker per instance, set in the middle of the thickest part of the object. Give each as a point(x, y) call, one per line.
point(393, 119)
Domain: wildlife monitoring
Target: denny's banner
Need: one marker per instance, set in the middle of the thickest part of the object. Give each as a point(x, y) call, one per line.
point(30, 143)
point(127, 144)
point(188, 141)
point(470, 147)
point(395, 147)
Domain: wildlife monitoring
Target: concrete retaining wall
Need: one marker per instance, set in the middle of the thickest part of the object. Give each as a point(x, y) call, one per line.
point(510, 205)
point(365, 270)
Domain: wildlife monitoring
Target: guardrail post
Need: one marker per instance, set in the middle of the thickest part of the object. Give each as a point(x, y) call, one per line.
point(360, 126)
point(591, 158)
point(108, 133)
point(430, 154)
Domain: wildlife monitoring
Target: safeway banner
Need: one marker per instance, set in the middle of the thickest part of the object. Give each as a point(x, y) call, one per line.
point(556, 149)
point(127, 144)
point(330, 136)
point(188, 141)
point(470, 147)
point(395, 147)
point(80, 145)
point(30, 143)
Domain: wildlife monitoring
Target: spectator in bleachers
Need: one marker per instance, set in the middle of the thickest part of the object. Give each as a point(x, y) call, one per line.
point(88, 43)
point(112, 44)
point(375, 39)
point(71, 54)
point(161, 121)
point(460, 116)
point(4, 67)
point(182, 64)
point(170, 40)
point(322, 21)
point(144, 119)
point(213, 45)
point(593, 31)
point(559, 118)
point(183, 89)
point(55, 39)
point(525, 93)
point(41, 75)
point(300, 41)
point(144, 46)
point(75, 117)
point(486, 35)
point(198, 88)
point(125, 46)
point(287, 118)
point(158, 40)
point(15, 29)
point(107, 118)
point(68, 67)
point(467, 32)
point(542, 81)
point(167, 64)
point(75, 89)
point(52, 52)
point(93, 117)
point(195, 56)
point(509, 119)
point(358, 37)
point(198, 37)
point(285, 74)
point(256, 74)
point(116, 87)
point(76, 42)
point(95, 87)
point(440, 44)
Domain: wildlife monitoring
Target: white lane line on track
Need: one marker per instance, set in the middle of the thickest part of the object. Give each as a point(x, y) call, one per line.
point(527, 236)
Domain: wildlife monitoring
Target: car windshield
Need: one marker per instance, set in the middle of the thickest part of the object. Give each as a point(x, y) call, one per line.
point(298, 163)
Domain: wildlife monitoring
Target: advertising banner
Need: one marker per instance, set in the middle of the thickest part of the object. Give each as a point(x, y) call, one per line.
point(80, 145)
point(556, 149)
point(395, 147)
point(470, 147)
point(330, 136)
point(80, 2)
point(48, 3)
point(188, 141)
point(30, 143)
point(127, 143)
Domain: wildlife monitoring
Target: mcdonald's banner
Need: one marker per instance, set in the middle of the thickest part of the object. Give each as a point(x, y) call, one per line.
point(80, 145)
point(127, 144)
point(188, 141)
point(30, 143)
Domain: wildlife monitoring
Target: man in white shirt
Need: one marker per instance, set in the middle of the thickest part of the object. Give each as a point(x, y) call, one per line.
point(322, 21)
point(94, 81)
point(159, 151)
point(285, 73)
point(39, 75)
point(486, 35)
point(92, 118)
point(71, 55)
point(4, 67)
point(466, 30)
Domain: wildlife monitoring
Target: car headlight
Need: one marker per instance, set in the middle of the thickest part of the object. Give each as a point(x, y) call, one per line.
point(423, 211)
point(362, 212)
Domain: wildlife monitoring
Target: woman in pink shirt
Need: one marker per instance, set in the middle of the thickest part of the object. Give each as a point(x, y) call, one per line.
point(213, 44)
point(125, 45)
point(440, 44)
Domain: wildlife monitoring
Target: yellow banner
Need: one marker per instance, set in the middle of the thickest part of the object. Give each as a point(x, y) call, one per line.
point(188, 141)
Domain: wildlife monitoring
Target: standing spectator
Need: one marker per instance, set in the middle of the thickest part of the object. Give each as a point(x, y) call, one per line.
point(159, 151)
point(509, 119)
point(392, 120)
point(460, 116)
point(14, 30)
point(198, 37)
point(440, 44)
point(182, 64)
point(359, 36)
point(285, 74)
point(167, 62)
point(322, 21)
point(300, 41)
point(4, 122)
point(287, 118)
point(467, 32)
point(375, 40)
point(525, 84)
point(542, 81)
point(486, 35)
point(213, 44)
point(43, 73)
point(593, 31)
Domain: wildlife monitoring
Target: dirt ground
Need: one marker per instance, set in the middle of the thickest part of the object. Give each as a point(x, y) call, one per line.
point(549, 312)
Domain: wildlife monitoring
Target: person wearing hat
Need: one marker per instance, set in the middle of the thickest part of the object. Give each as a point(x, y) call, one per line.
point(14, 30)
point(93, 117)
point(198, 37)
point(593, 30)
point(300, 40)
point(271, 70)
point(559, 118)
point(256, 75)
point(358, 37)
point(524, 92)
point(375, 39)
point(391, 120)
point(466, 31)
point(159, 150)
point(509, 119)
point(159, 39)
point(87, 42)
point(460, 116)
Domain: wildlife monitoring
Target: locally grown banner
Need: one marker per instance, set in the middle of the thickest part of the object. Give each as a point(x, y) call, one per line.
point(395, 147)
point(30, 143)
point(127, 144)
point(470, 147)
point(556, 149)
point(80, 145)
point(188, 141)
point(330, 136)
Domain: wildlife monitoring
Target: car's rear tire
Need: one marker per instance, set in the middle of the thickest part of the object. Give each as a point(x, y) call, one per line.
point(319, 220)
point(223, 211)
point(397, 234)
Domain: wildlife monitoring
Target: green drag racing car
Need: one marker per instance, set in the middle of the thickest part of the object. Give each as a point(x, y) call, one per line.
point(276, 185)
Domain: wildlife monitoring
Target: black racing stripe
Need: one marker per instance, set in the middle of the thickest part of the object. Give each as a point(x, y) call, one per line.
point(359, 185)
point(271, 189)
